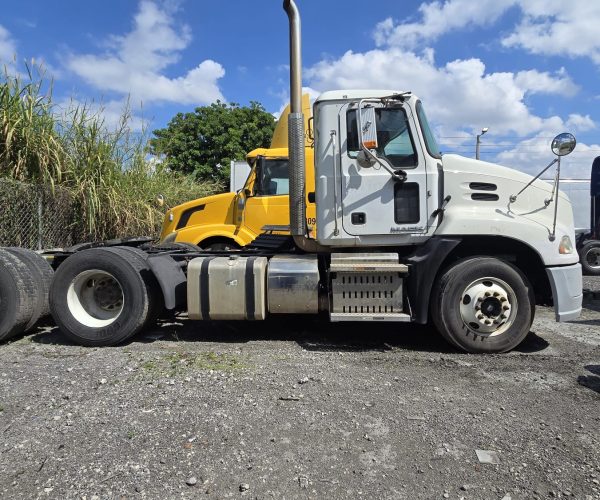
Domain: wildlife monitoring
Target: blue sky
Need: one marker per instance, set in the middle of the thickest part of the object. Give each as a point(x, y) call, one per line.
point(526, 69)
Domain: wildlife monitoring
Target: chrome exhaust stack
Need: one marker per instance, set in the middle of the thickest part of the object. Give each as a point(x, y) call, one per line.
point(296, 129)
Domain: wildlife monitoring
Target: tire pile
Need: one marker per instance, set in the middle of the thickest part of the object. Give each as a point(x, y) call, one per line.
point(25, 279)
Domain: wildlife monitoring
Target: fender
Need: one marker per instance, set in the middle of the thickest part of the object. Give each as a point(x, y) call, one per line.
point(424, 266)
point(171, 278)
point(197, 234)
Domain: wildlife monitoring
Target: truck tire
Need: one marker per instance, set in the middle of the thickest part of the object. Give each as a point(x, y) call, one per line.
point(483, 305)
point(42, 275)
point(17, 295)
point(589, 256)
point(99, 297)
point(157, 302)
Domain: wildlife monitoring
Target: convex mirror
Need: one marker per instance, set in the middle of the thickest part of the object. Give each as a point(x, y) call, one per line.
point(563, 144)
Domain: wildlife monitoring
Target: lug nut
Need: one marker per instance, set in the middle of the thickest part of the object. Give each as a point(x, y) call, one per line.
point(488, 294)
point(506, 307)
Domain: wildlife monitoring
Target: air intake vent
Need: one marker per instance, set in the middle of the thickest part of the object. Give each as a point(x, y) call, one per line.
point(483, 186)
point(484, 197)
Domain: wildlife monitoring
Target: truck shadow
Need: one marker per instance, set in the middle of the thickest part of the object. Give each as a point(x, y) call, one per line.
point(311, 333)
point(591, 381)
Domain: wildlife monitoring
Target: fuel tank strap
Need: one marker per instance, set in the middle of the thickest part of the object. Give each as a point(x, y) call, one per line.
point(204, 289)
point(249, 284)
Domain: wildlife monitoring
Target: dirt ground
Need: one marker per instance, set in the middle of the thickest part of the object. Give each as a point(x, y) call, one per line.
point(300, 408)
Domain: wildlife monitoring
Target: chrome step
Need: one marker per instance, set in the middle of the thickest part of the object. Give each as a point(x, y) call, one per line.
point(370, 317)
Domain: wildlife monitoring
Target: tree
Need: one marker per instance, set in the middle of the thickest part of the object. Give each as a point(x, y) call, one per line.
point(198, 142)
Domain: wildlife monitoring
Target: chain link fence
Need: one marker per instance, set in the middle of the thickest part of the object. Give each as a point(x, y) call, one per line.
point(36, 216)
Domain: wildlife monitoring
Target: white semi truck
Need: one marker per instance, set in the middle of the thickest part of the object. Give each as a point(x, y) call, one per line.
point(402, 234)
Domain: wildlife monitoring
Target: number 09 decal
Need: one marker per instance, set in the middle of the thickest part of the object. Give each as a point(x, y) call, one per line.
point(311, 221)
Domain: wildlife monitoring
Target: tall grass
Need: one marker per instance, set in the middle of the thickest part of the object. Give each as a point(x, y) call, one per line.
point(112, 180)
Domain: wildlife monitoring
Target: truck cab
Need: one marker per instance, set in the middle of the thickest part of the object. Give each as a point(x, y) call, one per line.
point(234, 220)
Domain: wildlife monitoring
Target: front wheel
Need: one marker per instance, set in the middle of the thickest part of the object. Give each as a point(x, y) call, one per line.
point(483, 305)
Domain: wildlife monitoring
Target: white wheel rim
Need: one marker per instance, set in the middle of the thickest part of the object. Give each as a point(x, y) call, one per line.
point(95, 298)
point(488, 306)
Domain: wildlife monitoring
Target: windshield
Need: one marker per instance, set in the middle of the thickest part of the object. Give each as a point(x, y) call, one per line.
point(393, 137)
point(272, 177)
point(430, 142)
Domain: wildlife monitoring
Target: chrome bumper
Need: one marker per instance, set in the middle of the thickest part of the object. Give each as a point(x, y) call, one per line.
point(567, 284)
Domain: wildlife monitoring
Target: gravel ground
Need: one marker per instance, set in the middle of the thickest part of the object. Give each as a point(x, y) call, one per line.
point(300, 408)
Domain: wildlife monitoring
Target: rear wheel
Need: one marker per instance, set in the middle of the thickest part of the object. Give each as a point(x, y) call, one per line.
point(483, 305)
point(99, 297)
point(157, 303)
point(590, 258)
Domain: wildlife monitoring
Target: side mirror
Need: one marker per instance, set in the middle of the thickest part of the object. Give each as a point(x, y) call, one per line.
point(367, 130)
point(160, 200)
point(563, 144)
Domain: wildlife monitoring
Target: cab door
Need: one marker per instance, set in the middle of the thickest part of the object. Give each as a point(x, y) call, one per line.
point(374, 200)
point(267, 203)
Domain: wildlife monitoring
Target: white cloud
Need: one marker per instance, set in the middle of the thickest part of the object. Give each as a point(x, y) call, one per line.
point(533, 154)
point(459, 96)
point(536, 82)
point(112, 114)
point(548, 27)
point(134, 63)
point(438, 18)
point(553, 27)
point(580, 123)
point(8, 47)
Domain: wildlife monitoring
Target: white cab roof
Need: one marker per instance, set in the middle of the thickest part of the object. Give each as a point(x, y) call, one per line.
point(336, 95)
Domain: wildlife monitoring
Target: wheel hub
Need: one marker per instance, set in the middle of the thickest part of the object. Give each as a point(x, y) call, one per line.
point(488, 306)
point(107, 293)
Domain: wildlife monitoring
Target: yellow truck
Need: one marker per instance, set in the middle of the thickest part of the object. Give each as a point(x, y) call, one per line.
point(233, 220)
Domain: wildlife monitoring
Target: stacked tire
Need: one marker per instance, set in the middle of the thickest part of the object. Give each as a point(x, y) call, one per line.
point(25, 280)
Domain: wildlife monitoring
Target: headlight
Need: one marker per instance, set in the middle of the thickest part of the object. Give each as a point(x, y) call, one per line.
point(565, 247)
point(171, 216)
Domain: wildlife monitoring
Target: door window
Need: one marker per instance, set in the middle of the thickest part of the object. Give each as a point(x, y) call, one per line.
point(394, 139)
point(272, 178)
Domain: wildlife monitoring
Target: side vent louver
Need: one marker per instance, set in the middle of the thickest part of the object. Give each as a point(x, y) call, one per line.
point(483, 186)
point(484, 197)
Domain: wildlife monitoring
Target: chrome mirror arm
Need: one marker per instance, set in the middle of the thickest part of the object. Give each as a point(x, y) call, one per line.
point(513, 197)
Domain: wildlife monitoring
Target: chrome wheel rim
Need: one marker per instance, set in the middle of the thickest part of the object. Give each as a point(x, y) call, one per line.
point(488, 306)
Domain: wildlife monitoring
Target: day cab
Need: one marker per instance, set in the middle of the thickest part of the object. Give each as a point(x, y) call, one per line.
point(234, 220)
